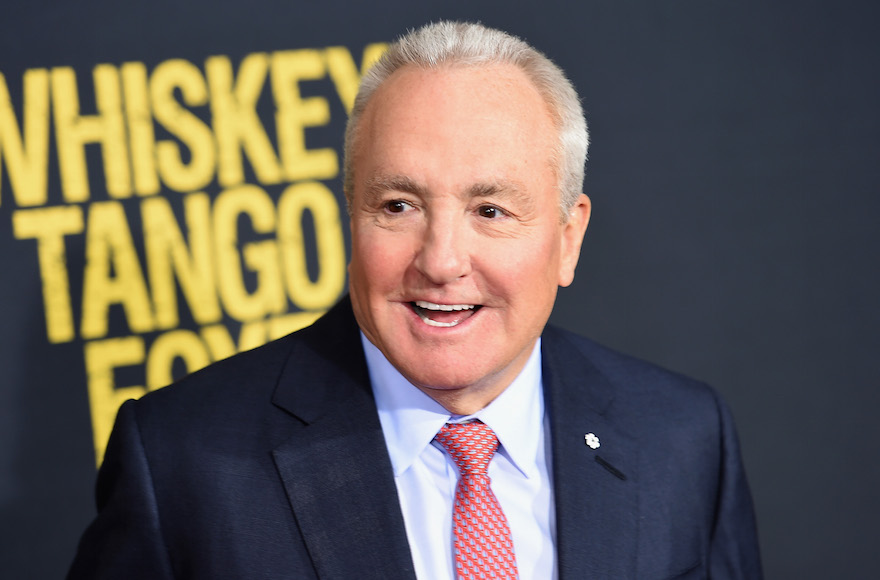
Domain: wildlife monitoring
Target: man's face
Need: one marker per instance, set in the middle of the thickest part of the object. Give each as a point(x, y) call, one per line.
point(457, 243)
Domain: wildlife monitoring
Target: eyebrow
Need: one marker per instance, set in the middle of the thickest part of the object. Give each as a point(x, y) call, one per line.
point(378, 185)
point(502, 189)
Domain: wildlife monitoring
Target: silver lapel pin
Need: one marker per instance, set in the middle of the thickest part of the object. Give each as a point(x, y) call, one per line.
point(591, 440)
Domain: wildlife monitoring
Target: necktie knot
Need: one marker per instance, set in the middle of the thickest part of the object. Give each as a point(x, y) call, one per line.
point(471, 446)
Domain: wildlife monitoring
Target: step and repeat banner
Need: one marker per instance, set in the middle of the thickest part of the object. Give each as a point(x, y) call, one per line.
point(170, 194)
point(149, 257)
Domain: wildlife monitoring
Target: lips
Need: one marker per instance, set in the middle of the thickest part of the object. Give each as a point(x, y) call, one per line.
point(443, 315)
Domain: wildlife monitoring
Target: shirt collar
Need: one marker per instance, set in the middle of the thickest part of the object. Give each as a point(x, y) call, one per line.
point(410, 419)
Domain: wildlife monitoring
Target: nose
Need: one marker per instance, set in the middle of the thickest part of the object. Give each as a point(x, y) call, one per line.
point(444, 255)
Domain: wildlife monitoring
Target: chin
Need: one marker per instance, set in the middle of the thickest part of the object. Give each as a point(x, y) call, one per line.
point(448, 376)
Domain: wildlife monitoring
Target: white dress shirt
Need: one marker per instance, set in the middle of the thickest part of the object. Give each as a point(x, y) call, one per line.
point(426, 476)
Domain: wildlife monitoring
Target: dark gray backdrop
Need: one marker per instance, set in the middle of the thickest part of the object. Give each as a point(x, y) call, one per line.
point(734, 179)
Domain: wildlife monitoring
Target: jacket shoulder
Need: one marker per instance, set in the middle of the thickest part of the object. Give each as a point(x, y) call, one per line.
point(252, 377)
point(649, 395)
point(618, 365)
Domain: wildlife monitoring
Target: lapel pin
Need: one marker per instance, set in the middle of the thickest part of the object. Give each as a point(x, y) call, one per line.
point(591, 440)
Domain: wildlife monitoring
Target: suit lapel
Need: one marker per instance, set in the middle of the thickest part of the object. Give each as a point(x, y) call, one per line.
point(596, 489)
point(335, 467)
point(338, 477)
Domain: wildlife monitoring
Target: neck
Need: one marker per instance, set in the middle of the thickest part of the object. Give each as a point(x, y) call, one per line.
point(464, 401)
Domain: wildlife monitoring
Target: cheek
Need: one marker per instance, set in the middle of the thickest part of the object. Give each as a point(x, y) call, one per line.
point(378, 263)
point(521, 270)
point(539, 259)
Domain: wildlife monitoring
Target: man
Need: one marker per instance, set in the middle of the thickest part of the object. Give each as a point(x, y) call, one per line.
point(334, 452)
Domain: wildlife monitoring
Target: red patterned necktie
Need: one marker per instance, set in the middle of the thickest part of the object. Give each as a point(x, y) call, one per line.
point(483, 546)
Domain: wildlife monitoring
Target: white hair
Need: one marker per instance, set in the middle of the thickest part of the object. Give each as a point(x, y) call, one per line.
point(468, 44)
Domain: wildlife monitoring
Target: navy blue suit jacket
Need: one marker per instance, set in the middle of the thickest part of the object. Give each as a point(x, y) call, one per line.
point(272, 464)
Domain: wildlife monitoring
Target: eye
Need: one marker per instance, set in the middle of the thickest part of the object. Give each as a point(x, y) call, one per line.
point(489, 211)
point(397, 206)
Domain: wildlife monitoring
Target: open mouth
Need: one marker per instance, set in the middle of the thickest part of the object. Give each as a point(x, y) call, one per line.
point(443, 315)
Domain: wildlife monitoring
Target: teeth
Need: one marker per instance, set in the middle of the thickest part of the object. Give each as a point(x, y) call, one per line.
point(430, 322)
point(443, 307)
point(431, 306)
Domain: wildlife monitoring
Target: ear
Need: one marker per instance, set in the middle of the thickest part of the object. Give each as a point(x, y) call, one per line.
point(572, 236)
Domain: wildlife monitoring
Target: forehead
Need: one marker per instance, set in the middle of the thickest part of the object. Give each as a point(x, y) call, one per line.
point(486, 121)
point(498, 85)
